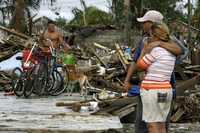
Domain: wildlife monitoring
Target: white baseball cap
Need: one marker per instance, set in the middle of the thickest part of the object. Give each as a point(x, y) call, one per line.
point(152, 15)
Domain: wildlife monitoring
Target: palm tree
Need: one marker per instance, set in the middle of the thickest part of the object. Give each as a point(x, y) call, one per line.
point(19, 10)
point(6, 9)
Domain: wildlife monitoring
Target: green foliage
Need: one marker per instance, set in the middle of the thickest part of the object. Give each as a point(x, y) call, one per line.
point(7, 8)
point(196, 17)
point(118, 11)
point(166, 7)
point(93, 16)
point(139, 7)
point(61, 22)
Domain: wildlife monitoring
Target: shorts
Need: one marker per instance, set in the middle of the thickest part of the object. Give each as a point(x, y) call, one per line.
point(156, 104)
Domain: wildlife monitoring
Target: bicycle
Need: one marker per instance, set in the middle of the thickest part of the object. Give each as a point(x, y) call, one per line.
point(49, 80)
point(22, 79)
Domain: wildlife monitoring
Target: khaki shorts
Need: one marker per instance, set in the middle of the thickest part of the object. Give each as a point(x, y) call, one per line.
point(156, 104)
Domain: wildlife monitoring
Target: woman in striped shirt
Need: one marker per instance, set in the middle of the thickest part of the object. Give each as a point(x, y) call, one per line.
point(156, 90)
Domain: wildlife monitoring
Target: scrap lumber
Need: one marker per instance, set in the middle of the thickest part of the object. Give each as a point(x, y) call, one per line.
point(180, 70)
point(124, 101)
point(116, 74)
point(116, 103)
point(21, 35)
point(98, 57)
point(192, 67)
point(87, 69)
point(176, 117)
point(112, 86)
point(187, 85)
point(101, 47)
point(195, 68)
point(187, 108)
point(5, 81)
point(5, 54)
point(120, 107)
point(125, 110)
point(121, 56)
point(17, 41)
point(185, 24)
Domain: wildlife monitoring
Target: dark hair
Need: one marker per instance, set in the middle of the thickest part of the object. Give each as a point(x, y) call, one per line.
point(50, 22)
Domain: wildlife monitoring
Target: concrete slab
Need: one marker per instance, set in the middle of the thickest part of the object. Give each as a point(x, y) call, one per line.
point(41, 115)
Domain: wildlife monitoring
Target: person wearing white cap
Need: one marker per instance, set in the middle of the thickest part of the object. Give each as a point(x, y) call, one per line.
point(156, 89)
point(151, 17)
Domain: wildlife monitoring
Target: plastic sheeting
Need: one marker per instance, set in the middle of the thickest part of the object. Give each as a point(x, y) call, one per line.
point(11, 63)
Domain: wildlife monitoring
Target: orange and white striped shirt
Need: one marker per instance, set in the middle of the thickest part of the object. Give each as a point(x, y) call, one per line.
point(159, 65)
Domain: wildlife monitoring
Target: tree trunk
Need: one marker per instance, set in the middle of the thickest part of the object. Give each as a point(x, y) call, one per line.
point(19, 15)
point(84, 10)
point(128, 23)
point(30, 22)
point(126, 6)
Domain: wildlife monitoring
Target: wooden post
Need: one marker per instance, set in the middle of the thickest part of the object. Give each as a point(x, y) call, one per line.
point(141, 10)
point(128, 23)
point(189, 30)
point(19, 14)
point(84, 9)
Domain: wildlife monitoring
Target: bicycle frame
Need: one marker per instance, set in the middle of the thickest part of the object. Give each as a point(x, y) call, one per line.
point(27, 64)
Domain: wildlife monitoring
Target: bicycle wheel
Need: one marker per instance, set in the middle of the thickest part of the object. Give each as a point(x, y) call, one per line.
point(40, 80)
point(51, 82)
point(28, 83)
point(17, 82)
point(58, 87)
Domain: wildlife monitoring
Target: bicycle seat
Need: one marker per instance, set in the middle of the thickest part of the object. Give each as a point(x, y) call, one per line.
point(19, 58)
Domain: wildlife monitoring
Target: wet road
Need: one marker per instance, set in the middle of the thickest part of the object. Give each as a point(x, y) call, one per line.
point(40, 114)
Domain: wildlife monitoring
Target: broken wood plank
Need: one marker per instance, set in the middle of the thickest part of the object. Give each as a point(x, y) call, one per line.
point(16, 41)
point(14, 32)
point(192, 67)
point(108, 109)
point(98, 57)
point(121, 102)
point(177, 115)
point(187, 85)
point(116, 74)
point(86, 69)
point(108, 84)
point(101, 47)
point(180, 70)
point(124, 111)
point(121, 56)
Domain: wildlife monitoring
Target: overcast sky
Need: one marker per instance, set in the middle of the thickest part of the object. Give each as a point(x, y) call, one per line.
point(64, 7)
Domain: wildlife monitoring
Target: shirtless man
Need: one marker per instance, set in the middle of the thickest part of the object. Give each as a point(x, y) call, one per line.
point(55, 37)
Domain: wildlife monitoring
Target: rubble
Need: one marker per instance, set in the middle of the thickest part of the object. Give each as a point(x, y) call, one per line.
point(13, 43)
point(105, 69)
point(187, 107)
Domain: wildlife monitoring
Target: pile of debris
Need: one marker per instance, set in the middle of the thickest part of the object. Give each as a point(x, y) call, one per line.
point(104, 70)
point(5, 81)
point(186, 108)
point(118, 106)
point(12, 43)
